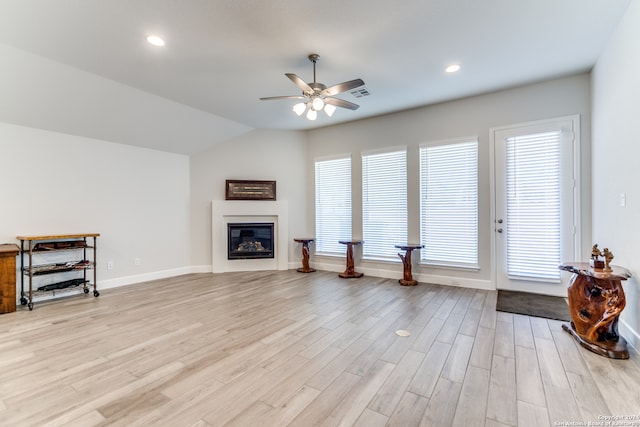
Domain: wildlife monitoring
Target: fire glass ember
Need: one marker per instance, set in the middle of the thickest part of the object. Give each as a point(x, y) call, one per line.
point(250, 240)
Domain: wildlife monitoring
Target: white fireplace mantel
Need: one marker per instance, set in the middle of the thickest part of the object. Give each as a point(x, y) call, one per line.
point(226, 211)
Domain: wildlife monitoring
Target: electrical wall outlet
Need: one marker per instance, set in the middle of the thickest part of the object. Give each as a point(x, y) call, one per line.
point(109, 265)
point(136, 261)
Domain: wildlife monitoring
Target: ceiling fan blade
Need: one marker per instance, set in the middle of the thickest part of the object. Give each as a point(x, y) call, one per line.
point(341, 103)
point(300, 83)
point(273, 98)
point(342, 87)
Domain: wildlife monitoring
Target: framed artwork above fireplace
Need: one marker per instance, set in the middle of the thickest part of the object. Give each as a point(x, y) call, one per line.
point(250, 190)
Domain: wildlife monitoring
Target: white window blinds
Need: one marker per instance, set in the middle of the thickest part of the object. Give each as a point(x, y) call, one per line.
point(449, 203)
point(384, 204)
point(333, 205)
point(533, 205)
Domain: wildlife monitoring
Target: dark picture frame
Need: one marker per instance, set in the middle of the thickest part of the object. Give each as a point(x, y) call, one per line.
point(236, 189)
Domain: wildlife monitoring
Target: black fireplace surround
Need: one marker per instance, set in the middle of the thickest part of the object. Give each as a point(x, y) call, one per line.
point(250, 240)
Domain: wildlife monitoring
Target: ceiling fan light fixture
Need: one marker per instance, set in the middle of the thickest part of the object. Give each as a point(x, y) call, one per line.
point(312, 114)
point(329, 109)
point(317, 103)
point(299, 108)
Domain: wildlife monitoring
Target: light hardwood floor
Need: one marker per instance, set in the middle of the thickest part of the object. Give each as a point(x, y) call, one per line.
point(291, 349)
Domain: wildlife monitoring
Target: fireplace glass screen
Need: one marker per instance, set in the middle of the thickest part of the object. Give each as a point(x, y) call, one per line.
point(250, 240)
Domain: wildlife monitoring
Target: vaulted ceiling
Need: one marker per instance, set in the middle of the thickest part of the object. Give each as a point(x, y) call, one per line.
point(71, 61)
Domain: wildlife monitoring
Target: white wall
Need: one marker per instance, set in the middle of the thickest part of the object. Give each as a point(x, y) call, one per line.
point(259, 155)
point(616, 155)
point(136, 198)
point(472, 116)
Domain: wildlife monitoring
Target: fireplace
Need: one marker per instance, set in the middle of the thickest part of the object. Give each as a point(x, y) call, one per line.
point(250, 240)
point(224, 212)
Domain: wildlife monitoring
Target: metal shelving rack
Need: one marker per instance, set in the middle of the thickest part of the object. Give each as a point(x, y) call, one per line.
point(30, 245)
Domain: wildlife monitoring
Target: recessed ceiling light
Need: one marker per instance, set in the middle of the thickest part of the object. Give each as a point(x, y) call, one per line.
point(452, 68)
point(155, 40)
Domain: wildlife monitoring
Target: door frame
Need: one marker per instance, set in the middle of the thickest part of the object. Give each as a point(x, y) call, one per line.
point(577, 185)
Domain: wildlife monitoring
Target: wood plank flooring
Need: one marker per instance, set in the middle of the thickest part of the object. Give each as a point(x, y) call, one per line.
point(291, 349)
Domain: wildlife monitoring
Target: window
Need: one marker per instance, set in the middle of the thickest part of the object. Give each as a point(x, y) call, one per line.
point(333, 205)
point(384, 204)
point(449, 203)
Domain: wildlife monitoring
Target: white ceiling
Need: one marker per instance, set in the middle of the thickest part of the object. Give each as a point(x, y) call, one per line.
point(222, 55)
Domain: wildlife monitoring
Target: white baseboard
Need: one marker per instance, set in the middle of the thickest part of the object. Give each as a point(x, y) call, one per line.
point(632, 336)
point(201, 269)
point(293, 265)
point(374, 272)
point(337, 268)
point(145, 277)
point(423, 278)
point(461, 282)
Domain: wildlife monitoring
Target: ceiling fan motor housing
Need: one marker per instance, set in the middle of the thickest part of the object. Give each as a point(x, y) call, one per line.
point(317, 88)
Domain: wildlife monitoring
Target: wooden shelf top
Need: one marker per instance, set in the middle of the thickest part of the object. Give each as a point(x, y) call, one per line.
point(9, 249)
point(351, 242)
point(58, 236)
point(583, 268)
point(409, 246)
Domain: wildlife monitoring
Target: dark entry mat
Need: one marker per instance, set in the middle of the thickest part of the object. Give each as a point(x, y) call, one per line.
point(533, 305)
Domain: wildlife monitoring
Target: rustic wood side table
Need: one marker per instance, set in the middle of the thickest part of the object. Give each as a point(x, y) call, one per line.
point(305, 254)
point(407, 279)
point(596, 299)
point(350, 272)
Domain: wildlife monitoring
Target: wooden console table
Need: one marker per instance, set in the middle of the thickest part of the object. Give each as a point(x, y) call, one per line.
point(596, 299)
point(407, 279)
point(8, 253)
point(305, 254)
point(350, 272)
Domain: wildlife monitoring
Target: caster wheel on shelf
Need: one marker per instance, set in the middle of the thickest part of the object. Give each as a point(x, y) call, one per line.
point(23, 301)
point(96, 294)
point(86, 290)
point(30, 305)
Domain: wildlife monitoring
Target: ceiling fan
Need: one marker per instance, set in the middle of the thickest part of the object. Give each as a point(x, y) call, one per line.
point(317, 96)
